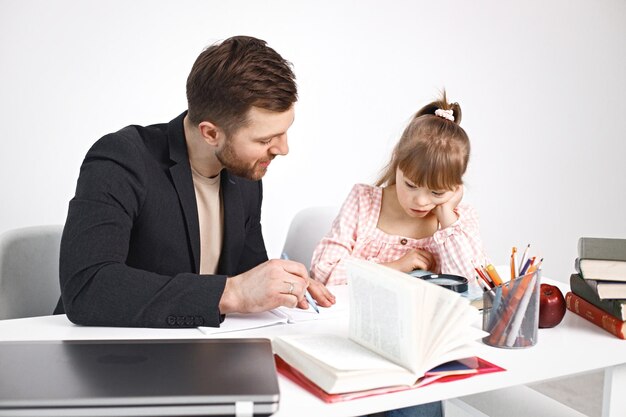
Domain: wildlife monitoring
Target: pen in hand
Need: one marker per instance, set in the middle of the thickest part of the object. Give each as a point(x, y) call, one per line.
point(311, 301)
point(307, 295)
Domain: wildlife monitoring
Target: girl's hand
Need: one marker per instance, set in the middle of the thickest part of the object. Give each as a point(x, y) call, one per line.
point(445, 211)
point(413, 259)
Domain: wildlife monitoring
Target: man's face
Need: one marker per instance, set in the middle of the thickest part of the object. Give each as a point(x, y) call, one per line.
point(248, 152)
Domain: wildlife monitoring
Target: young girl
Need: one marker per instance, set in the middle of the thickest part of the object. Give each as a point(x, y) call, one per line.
point(413, 218)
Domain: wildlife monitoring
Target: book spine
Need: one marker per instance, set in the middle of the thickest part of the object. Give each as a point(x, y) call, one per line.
point(593, 314)
point(602, 248)
point(581, 288)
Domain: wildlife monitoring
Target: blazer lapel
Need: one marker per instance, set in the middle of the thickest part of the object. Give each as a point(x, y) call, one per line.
point(183, 182)
point(234, 225)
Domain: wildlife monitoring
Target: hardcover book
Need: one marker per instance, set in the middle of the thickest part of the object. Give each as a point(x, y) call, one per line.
point(583, 289)
point(399, 328)
point(595, 315)
point(602, 248)
point(601, 269)
point(451, 371)
point(608, 290)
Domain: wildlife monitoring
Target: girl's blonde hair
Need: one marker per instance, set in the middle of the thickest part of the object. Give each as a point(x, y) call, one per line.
point(433, 151)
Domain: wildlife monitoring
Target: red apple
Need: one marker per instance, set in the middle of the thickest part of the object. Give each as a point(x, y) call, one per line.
point(551, 306)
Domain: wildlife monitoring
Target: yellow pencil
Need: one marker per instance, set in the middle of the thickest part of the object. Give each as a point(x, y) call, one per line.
point(493, 274)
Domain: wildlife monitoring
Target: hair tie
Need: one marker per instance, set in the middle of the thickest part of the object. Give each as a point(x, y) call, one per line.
point(446, 114)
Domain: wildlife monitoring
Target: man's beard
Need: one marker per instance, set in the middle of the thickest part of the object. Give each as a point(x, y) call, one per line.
point(229, 159)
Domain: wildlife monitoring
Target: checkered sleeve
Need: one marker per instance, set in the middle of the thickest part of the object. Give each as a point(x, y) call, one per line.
point(460, 243)
point(338, 244)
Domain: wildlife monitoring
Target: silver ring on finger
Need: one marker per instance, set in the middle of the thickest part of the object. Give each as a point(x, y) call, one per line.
point(291, 287)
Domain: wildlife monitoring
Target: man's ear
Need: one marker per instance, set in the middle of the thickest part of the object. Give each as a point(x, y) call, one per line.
point(210, 132)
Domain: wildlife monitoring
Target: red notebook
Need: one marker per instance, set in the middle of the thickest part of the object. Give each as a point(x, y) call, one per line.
point(451, 371)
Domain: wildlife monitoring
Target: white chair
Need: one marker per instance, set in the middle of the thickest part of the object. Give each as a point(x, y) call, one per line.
point(29, 271)
point(307, 228)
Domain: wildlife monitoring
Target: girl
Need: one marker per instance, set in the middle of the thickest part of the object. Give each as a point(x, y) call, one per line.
point(413, 218)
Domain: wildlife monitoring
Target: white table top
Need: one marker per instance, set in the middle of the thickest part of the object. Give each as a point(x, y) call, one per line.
point(574, 346)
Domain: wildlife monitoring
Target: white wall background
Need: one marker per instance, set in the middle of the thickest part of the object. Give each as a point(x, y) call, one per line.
point(542, 85)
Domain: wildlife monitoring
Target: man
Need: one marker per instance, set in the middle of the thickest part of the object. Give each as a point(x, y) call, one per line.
point(164, 229)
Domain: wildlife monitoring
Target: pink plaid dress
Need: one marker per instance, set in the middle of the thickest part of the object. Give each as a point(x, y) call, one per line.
point(354, 233)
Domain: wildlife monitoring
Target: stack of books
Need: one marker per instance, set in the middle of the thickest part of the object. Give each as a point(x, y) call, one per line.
point(598, 288)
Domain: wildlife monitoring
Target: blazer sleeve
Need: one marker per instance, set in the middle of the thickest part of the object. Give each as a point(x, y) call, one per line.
point(97, 286)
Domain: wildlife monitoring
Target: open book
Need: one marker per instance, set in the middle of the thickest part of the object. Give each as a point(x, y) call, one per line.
point(399, 328)
point(451, 371)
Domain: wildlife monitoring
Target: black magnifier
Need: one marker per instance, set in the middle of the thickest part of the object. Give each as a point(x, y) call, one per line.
point(455, 283)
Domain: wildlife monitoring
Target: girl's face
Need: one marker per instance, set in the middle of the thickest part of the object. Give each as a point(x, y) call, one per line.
point(418, 201)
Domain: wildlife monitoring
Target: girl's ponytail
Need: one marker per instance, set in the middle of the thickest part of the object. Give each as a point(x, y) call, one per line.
point(441, 108)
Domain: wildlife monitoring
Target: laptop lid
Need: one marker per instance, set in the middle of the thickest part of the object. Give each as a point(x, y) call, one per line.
point(138, 378)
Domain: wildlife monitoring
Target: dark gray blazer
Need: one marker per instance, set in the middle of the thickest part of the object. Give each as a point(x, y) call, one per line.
point(130, 251)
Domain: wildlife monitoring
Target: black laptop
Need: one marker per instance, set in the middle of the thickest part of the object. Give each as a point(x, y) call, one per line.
point(199, 377)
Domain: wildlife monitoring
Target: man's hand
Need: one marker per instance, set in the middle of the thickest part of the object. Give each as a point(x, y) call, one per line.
point(445, 211)
point(320, 294)
point(413, 259)
point(272, 284)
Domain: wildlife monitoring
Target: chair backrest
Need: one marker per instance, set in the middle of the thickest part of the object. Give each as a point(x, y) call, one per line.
point(29, 271)
point(307, 228)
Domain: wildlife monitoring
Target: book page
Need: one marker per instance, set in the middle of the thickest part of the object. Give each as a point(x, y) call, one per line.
point(338, 310)
point(338, 364)
point(239, 321)
point(374, 320)
point(336, 351)
point(450, 332)
point(446, 318)
point(377, 319)
point(441, 315)
point(466, 350)
point(381, 313)
point(409, 321)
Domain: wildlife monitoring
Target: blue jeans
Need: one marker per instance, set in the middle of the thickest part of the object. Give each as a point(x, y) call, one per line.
point(424, 410)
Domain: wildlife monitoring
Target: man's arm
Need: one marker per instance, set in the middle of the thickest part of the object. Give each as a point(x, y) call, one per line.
point(98, 286)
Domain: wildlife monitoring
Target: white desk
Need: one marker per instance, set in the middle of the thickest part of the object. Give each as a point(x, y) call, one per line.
point(575, 346)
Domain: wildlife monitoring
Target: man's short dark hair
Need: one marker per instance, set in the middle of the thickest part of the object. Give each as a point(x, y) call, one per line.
point(230, 77)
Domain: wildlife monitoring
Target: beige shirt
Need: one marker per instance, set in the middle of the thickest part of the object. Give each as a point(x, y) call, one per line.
point(210, 219)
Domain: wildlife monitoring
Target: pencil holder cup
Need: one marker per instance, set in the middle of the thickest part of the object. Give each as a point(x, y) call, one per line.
point(511, 313)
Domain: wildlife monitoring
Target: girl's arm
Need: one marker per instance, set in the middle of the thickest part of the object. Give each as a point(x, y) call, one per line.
point(339, 242)
point(460, 243)
point(446, 212)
